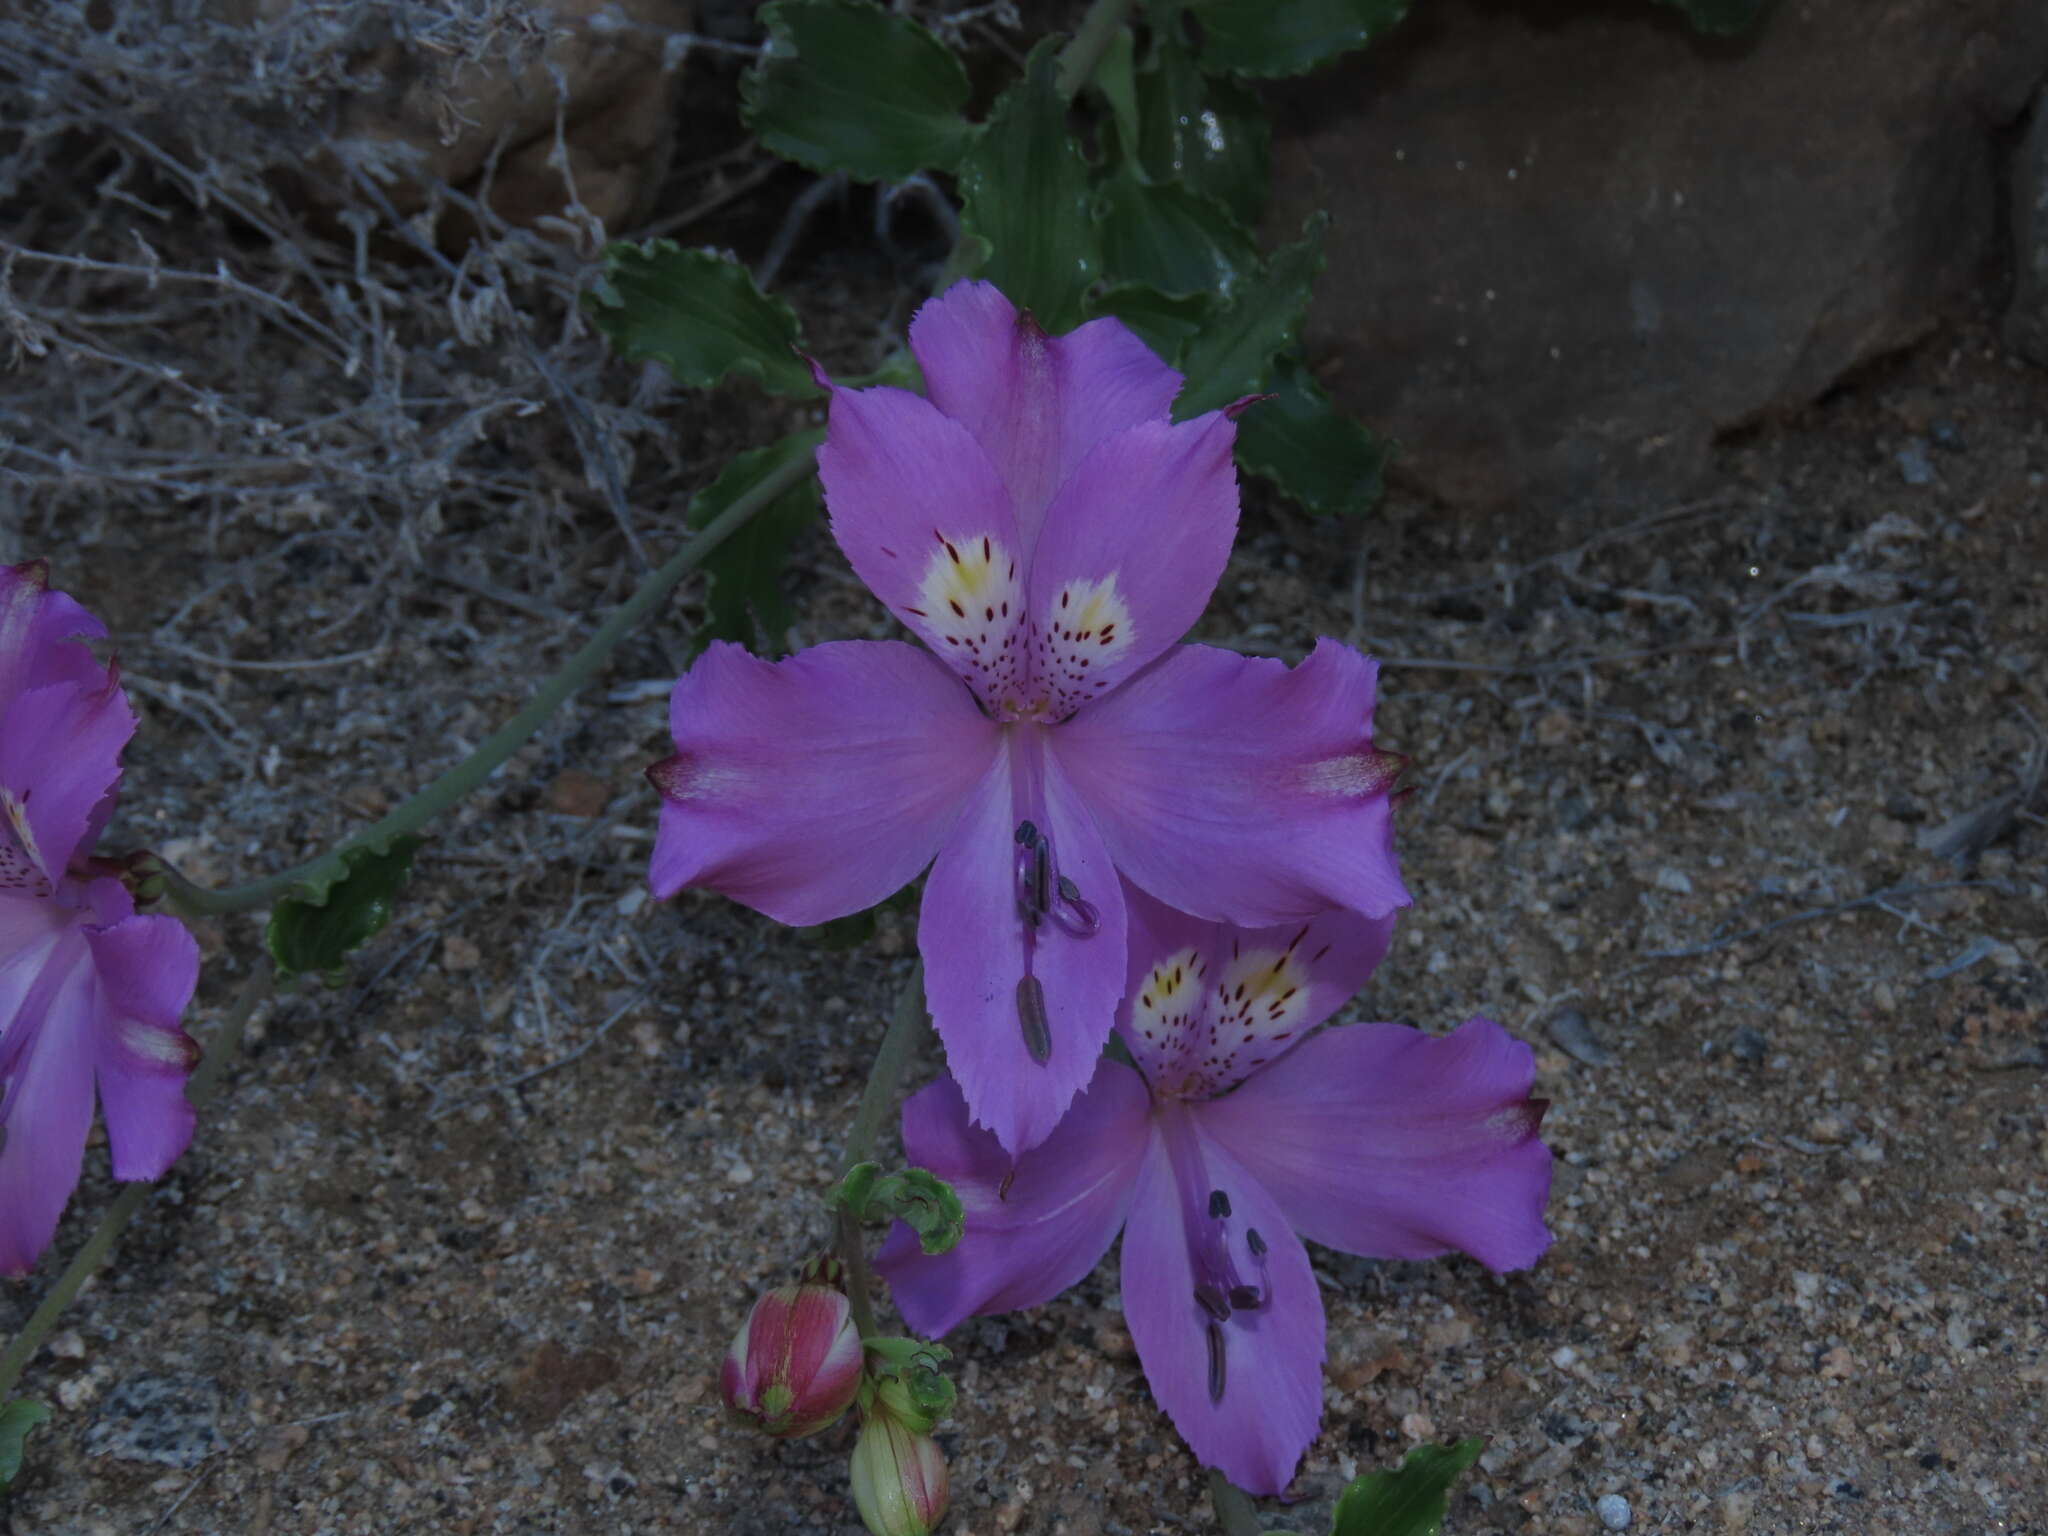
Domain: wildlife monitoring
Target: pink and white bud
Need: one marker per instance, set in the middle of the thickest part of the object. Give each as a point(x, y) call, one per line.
point(899, 1477)
point(794, 1367)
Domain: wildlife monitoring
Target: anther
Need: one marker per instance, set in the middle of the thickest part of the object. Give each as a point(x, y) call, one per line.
point(1210, 1298)
point(1256, 1243)
point(1215, 1364)
point(1219, 1205)
point(1246, 1298)
point(1031, 1018)
point(1027, 834)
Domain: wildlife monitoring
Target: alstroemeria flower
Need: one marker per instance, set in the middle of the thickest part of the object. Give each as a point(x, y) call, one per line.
point(89, 990)
point(1040, 522)
point(1234, 1135)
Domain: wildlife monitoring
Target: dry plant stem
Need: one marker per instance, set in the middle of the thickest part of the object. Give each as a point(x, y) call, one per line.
point(1235, 1515)
point(468, 774)
point(906, 1032)
point(221, 1050)
point(1079, 58)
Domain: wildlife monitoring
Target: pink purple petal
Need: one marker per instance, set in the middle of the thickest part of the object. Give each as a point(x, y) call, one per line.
point(1384, 1141)
point(47, 1105)
point(60, 756)
point(1019, 1072)
point(1035, 1224)
point(1208, 1004)
point(1238, 789)
point(40, 630)
point(1244, 1390)
point(924, 519)
point(1037, 404)
point(148, 967)
point(1133, 544)
point(814, 787)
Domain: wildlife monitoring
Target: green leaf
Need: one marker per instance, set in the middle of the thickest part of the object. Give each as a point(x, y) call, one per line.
point(1166, 325)
point(743, 599)
point(1024, 189)
point(16, 1420)
point(1116, 77)
point(920, 1199)
point(1409, 1502)
point(1171, 239)
point(1210, 135)
point(308, 934)
point(1233, 356)
point(699, 314)
point(844, 85)
point(1313, 451)
point(1289, 37)
point(1722, 18)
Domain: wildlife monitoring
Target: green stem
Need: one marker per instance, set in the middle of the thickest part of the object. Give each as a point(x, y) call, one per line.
point(1078, 60)
point(220, 1051)
point(480, 764)
point(906, 1032)
point(1235, 1514)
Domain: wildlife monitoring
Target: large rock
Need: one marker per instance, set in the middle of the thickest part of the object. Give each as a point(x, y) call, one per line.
point(1574, 240)
point(2026, 322)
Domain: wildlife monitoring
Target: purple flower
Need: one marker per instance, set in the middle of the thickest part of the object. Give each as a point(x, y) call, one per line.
point(1234, 1135)
point(88, 989)
point(1045, 528)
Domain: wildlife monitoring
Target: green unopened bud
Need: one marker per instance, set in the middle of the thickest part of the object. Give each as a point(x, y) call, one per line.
point(899, 1476)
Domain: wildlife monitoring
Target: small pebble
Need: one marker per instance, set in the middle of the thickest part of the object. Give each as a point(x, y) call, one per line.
point(1676, 881)
point(1575, 1037)
point(1749, 1045)
point(1914, 467)
point(1614, 1512)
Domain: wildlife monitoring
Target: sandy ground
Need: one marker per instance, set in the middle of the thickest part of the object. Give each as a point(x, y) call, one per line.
point(463, 1240)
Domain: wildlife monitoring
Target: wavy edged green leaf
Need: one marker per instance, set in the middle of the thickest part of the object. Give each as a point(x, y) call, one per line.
point(1233, 354)
point(844, 85)
point(1164, 324)
point(1287, 37)
point(743, 600)
point(698, 314)
point(1024, 190)
point(1407, 1502)
point(1209, 134)
point(16, 1420)
point(1171, 239)
point(1722, 18)
point(309, 935)
point(1301, 441)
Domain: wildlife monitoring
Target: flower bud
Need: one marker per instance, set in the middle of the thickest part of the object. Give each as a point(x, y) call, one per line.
point(899, 1477)
point(794, 1366)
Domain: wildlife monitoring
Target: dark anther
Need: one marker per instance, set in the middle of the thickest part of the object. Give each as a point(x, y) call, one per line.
point(1210, 1298)
point(1256, 1243)
point(1068, 890)
point(1246, 1298)
point(1219, 1205)
point(1027, 834)
point(1215, 1364)
point(1003, 1189)
point(1031, 1018)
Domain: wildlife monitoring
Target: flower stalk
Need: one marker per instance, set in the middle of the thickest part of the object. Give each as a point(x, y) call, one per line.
point(471, 772)
point(906, 1032)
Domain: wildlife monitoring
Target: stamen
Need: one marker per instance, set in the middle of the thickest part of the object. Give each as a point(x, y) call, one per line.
point(1031, 1018)
point(1215, 1364)
point(1072, 913)
point(1210, 1299)
point(1256, 1243)
point(1219, 1205)
point(1246, 1298)
point(1027, 834)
